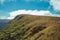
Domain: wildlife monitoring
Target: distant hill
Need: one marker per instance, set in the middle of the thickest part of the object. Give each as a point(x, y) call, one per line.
point(3, 22)
point(31, 27)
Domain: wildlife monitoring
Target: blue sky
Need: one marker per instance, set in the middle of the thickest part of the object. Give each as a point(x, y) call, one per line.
point(8, 6)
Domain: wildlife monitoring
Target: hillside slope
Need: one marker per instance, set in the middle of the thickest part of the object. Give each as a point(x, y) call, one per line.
point(30, 27)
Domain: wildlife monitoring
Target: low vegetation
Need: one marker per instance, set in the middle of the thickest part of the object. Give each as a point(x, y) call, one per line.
point(30, 27)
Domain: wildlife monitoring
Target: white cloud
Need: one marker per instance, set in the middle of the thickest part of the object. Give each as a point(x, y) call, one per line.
point(56, 4)
point(13, 14)
point(3, 1)
point(31, 12)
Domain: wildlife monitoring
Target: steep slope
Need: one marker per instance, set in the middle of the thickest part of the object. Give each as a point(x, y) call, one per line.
point(30, 27)
point(3, 22)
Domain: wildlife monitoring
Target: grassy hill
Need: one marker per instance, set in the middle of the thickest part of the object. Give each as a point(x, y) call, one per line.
point(31, 27)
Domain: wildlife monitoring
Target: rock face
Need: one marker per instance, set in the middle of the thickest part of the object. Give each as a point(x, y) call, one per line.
point(3, 22)
point(31, 27)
